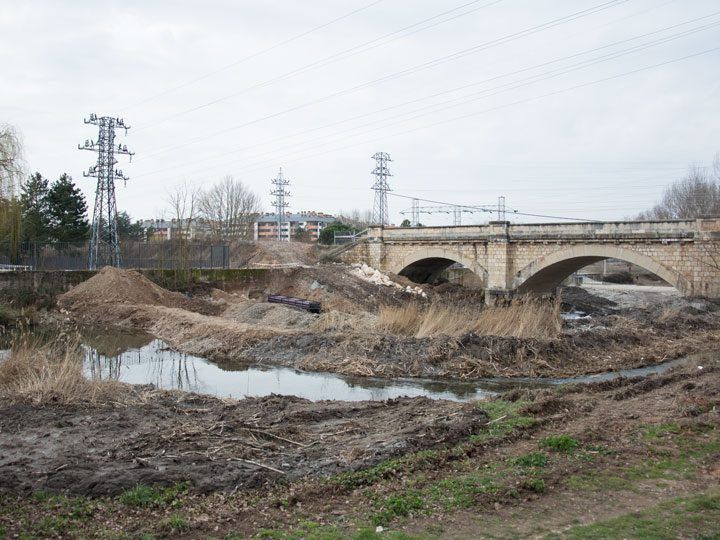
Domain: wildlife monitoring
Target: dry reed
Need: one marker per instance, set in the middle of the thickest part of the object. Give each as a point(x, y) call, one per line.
point(50, 373)
point(523, 318)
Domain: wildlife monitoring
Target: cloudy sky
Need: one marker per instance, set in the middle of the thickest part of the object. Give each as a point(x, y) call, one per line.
point(578, 108)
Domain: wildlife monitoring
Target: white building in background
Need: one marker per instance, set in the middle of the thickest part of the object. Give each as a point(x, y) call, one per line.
point(266, 225)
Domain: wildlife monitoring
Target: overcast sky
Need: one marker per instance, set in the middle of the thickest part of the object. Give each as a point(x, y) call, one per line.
point(565, 113)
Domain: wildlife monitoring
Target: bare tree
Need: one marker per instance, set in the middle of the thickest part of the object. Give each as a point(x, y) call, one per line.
point(183, 202)
point(11, 160)
point(696, 194)
point(230, 209)
point(358, 218)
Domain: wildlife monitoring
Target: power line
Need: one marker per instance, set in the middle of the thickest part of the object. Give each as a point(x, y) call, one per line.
point(253, 55)
point(342, 55)
point(492, 109)
point(487, 208)
point(420, 67)
point(508, 86)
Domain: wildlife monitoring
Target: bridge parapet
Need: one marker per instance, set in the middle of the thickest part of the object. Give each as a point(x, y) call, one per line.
point(676, 229)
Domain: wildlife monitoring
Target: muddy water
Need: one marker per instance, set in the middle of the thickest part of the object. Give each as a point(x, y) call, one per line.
point(141, 359)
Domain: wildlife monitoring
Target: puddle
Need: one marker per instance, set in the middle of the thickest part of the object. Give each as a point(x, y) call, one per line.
point(141, 359)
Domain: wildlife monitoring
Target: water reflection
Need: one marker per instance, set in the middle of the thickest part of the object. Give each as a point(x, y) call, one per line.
point(157, 364)
point(141, 359)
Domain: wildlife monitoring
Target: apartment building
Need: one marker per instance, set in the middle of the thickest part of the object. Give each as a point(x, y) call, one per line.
point(266, 226)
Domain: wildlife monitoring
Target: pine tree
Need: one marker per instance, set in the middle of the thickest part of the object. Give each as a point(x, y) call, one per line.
point(67, 211)
point(127, 230)
point(35, 211)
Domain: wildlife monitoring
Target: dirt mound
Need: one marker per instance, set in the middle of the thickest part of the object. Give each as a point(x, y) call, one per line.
point(336, 288)
point(113, 294)
point(118, 286)
point(274, 254)
point(269, 315)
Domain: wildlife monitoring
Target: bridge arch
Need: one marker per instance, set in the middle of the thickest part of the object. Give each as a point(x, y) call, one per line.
point(546, 273)
point(424, 264)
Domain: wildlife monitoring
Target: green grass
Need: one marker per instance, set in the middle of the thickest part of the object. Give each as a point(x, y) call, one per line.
point(560, 443)
point(314, 531)
point(397, 505)
point(504, 419)
point(142, 495)
point(689, 517)
point(658, 431)
point(174, 524)
point(463, 491)
point(533, 459)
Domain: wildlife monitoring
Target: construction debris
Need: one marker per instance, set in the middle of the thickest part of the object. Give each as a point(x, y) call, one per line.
point(372, 275)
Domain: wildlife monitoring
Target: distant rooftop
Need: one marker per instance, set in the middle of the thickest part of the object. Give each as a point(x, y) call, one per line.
point(300, 216)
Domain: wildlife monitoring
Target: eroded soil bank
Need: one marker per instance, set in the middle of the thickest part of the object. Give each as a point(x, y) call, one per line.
point(237, 328)
point(622, 459)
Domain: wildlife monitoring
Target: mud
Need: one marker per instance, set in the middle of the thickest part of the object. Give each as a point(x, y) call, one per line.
point(164, 437)
point(641, 441)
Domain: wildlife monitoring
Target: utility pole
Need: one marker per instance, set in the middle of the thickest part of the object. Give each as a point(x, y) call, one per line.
point(104, 243)
point(280, 193)
point(381, 187)
point(457, 215)
point(501, 208)
point(415, 213)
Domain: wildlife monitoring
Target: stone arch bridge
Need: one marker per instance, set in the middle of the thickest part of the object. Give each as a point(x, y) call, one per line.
point(536, 258)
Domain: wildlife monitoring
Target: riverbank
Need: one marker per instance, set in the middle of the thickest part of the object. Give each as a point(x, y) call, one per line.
point(642, 453)
point(368, 329)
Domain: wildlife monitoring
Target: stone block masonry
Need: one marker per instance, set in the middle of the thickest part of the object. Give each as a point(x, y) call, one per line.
point(536, 258)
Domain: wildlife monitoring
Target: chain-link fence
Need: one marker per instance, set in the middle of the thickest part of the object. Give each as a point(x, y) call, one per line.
point(74, 255)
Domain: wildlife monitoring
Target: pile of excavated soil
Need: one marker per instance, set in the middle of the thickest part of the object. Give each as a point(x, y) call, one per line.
point(272, 254)
point(266, 314)
point(113, 292)
point(336, 288)
point(167, 437)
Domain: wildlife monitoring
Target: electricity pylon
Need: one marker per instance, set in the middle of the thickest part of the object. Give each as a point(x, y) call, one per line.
point(280, 203)
point(104, 243)
point(381, 187)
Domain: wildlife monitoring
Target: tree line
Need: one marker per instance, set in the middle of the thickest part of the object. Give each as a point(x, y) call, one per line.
point(694, 195)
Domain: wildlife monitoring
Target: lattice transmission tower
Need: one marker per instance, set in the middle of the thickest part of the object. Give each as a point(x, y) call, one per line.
point(280, 203)
point(381, 187)
point(104, 243)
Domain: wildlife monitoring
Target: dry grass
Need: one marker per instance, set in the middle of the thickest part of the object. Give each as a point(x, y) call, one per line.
point(524, 318)
point(337, 321)
point(51, 374)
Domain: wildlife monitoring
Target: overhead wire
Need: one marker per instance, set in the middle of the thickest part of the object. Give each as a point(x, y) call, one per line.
point(510, 86)
point(339, 56)
point(486, 208)
point(306, 156)
point(253, 55)
point(507, 87)
point(402, 73)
